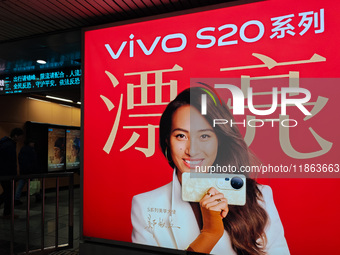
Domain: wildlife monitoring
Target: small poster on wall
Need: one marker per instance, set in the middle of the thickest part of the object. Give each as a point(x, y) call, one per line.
point(56, 149)
point(72, 149)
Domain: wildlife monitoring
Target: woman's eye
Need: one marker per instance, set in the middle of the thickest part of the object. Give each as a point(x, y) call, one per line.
point(205, 136)
point(180, 136)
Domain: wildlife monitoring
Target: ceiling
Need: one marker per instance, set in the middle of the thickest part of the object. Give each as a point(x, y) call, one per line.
point(23, 18)
point(51, 29)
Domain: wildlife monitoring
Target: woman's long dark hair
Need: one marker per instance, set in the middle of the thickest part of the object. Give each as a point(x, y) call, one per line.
point(245, 224)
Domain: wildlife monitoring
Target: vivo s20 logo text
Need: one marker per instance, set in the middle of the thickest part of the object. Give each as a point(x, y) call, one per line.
point(205, 35)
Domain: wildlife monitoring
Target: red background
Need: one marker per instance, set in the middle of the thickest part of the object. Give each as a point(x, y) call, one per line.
point(308, 207)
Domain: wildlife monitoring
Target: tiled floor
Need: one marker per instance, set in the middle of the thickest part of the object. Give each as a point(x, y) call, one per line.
point(35, 224)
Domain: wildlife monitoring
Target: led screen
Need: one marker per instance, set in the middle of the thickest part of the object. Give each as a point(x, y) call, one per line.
point(44, 80)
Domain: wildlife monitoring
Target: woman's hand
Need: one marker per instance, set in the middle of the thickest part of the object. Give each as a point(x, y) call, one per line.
point(215, 201)
point(214, 208)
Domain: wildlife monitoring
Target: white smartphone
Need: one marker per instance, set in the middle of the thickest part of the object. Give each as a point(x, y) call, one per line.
point(196, 185)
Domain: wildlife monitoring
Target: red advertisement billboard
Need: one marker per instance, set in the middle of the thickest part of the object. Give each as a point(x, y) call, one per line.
point(132, 72)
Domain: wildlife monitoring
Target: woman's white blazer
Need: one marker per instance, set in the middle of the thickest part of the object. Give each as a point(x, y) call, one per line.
point(161, 218)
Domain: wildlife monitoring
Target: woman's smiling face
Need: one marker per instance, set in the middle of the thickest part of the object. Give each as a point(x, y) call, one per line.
point(193, 141)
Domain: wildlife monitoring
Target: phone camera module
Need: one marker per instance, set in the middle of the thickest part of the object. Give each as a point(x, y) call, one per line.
point(236, 182)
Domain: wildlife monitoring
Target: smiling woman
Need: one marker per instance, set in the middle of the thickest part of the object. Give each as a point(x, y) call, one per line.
point(161, 218)
point(193, 141)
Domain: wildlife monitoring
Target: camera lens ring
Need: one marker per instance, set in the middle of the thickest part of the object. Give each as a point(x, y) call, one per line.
point(236, 182)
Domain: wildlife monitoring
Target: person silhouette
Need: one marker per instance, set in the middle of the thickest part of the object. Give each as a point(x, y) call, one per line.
point(28, 164)
point(8, 163)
